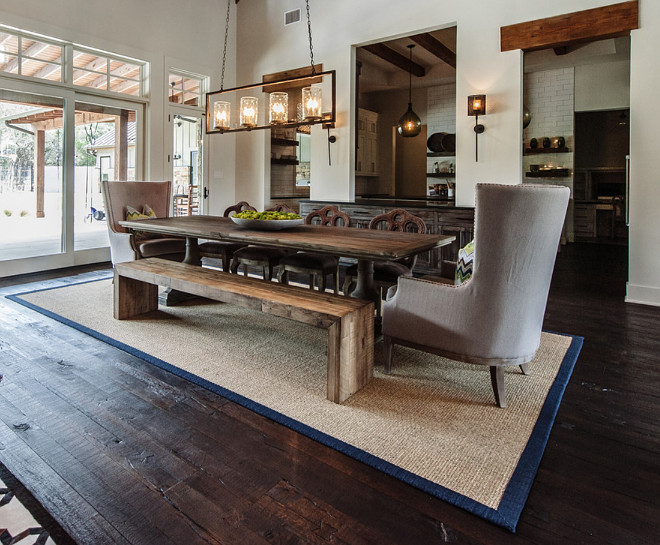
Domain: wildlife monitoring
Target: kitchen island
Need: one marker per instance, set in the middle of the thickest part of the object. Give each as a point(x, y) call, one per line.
point(441, 216)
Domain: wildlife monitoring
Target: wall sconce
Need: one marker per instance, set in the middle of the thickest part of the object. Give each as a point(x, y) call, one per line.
point(279, 108)
point(249, 111)
point(477, 107)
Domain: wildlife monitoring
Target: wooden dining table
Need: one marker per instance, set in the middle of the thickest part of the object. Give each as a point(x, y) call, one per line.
point(365, 245)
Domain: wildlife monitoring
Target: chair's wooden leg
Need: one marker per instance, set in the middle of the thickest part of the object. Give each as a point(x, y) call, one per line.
point(389, 353)
point(268, 272)
point(234, 265)
point(335, 282)
point(312, 281)
point(525, 368)
point(497, 380)
point(321, 278)
point(283, 276)
point(226, 261)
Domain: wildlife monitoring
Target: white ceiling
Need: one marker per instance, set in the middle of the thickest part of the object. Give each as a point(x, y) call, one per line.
point(379, 75)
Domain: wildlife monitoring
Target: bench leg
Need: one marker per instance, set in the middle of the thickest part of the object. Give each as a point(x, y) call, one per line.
point(350, 354)
point(133, 297)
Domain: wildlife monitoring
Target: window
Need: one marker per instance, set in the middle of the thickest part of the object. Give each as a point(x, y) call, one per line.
point(108, 73)
point(185, 89)
point(27, 56)
point(24, 54)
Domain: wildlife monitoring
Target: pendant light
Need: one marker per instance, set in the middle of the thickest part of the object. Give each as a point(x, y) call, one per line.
point(410, 124)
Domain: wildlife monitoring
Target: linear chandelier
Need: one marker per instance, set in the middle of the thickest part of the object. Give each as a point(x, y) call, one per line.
point(295, 101)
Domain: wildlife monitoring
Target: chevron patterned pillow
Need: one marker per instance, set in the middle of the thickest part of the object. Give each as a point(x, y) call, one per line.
point(464, 265)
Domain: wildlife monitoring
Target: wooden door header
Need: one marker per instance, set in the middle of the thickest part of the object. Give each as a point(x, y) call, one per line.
point(571, 28)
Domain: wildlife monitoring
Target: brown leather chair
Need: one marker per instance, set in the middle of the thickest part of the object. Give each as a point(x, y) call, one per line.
point(126, 245)
point(217, 249)
point(317, 266)
point(386, 273)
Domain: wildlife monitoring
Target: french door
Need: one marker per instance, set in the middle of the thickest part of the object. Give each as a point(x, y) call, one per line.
point(186, 161)
point(55, 148)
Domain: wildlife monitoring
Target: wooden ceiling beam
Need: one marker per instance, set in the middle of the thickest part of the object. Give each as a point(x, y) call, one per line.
point(388, 54)
point(572, 28)
point(436, 47)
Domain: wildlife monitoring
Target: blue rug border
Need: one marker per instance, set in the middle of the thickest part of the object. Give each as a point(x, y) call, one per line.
point(516, 493)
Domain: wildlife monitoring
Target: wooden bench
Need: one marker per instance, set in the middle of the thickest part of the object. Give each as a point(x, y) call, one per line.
point(349, 321)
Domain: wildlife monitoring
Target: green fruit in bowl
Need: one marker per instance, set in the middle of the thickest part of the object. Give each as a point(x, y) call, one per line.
point(267, 215)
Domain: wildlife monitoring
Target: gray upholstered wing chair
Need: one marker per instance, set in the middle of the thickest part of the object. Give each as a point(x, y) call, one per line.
point(124, 245)
point(495, 317)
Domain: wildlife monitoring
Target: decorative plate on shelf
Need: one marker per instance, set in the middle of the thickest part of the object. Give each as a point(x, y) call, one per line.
point(266, 225)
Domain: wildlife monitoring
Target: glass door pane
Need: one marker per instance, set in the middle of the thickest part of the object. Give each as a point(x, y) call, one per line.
point(105, 150)
point(31, 175)
point(187, 165)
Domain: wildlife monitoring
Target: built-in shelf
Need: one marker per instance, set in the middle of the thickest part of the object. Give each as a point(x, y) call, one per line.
point(440, 174)
point(551, 173)
point(537, 151)
point(283, 142)
point(441, 154)
point(284, 161)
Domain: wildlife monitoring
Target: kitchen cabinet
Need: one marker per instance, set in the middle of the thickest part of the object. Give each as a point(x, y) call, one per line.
point(442, 219)
point(366, 161)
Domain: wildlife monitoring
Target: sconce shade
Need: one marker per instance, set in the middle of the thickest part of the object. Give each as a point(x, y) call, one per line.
point(279, 107)
point(311, 100)
point(410, 124)
point(221, 115)
point(476, 105)
point(249, 111)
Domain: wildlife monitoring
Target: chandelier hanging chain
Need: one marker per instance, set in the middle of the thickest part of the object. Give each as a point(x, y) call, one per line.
point(309, 30)
point(410, 74)
point(224, 49)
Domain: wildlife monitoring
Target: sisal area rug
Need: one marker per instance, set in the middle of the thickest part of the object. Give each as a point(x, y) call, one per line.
point(432, 423)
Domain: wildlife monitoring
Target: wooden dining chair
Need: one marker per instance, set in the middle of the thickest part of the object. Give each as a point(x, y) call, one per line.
point(281, 208)
point(261, 256)
point(224, 250)
point(317, 266)
point(386, 273)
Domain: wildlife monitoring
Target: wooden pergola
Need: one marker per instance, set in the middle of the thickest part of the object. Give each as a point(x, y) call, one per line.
point(43, 120)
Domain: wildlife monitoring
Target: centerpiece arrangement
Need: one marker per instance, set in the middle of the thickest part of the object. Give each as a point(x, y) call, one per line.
point(268, 220)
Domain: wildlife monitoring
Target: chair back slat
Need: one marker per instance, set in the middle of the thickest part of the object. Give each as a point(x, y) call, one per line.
point(329, 215)
point(238, 207)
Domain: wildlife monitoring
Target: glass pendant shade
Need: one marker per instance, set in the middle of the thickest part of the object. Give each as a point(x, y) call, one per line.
point(279, 108)
point(222, 114)
point(311, 100)
point(249, 111)
point(409, 124)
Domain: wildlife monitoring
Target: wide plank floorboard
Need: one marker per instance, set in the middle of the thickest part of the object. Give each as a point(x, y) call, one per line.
point(119, 451)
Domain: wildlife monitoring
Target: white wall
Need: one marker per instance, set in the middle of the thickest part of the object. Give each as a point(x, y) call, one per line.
point(604, 86)
point(644, 253)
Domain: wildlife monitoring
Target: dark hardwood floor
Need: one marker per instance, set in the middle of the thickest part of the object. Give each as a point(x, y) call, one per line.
point(119, 451)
